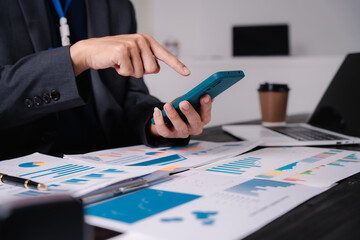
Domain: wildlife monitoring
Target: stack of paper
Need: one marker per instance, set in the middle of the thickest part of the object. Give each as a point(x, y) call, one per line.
point(228, 199)
point(78, 175)
point(62, 176)
point(196, 153)
point(224, 195)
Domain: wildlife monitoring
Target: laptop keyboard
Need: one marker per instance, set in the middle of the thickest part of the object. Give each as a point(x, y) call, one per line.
point(305, 134)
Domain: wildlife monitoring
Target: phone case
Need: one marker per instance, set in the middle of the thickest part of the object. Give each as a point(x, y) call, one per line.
point(213, 85)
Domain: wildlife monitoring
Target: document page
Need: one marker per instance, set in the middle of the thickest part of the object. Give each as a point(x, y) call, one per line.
point(201, 205)
point(317, 167)
point(228, 199)
point(62, 175)
point(196, 153)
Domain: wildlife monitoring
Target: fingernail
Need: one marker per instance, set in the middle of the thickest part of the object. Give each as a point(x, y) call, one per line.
point(186, 71)
point(157, 112)
point(206, 99)
point(169, 108)
point(185, 106)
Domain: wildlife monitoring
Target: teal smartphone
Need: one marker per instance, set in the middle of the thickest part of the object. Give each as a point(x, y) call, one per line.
point(213, 85)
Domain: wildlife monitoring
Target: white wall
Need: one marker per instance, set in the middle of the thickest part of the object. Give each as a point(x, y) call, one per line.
point(321, 33)
point(203, 27)
point(144, 15)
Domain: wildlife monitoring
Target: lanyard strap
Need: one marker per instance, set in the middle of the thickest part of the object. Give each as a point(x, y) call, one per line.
point(59, 8)
point(64, 27)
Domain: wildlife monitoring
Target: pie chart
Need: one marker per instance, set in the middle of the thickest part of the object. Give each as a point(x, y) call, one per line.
point(31, 164)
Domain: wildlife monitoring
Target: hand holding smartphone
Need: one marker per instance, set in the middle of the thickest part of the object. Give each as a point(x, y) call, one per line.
point(213, 85)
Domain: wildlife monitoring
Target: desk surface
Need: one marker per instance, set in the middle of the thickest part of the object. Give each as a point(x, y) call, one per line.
point(334, 214)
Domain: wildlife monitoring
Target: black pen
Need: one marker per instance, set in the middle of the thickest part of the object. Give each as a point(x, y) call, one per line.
point(21, 182)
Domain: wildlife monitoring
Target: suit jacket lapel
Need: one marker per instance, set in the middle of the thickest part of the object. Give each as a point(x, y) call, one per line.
point(36, 18)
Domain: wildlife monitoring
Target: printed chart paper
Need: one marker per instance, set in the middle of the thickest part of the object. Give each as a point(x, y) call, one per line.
point(228, 199)
point(200, 205)
point(196, 153)
point(318, 167)
point(62, 175)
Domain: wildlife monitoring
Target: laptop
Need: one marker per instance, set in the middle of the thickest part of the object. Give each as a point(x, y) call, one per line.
point(335, 120)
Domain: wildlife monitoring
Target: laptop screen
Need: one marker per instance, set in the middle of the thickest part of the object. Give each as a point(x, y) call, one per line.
point(339, 108)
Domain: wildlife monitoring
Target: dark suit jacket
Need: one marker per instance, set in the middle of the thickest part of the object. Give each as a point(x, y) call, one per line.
point(28, 69)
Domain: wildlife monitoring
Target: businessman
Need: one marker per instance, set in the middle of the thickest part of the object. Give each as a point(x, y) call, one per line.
point(89, 94)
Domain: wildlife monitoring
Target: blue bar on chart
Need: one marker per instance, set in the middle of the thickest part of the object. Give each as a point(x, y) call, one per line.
point(31, 193)
point(346, 160)
point(139, 205)
point(190, 146)
point(75, 181)
point(113, 170)
point(237, 167)
point(321, 156)
point(96, 176)
point(161, 161)
point(58, 171)
point(253, 186)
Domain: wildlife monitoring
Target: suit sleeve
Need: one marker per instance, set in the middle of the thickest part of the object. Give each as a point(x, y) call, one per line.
point(139, 106)
point(37, 85)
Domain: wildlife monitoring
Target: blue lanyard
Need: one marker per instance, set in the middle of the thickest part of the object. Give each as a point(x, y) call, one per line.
point(64, 27)
point(59, 8)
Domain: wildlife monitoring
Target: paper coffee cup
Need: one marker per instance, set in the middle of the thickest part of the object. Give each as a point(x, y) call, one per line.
point(273, 103)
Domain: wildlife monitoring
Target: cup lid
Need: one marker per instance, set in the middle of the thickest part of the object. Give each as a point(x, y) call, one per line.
point(275, 87)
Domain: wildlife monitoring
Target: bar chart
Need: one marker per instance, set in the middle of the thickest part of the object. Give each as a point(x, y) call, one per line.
point(139, 205)
point(343, 162)
point(161, 161)
point(59, 171)
point(237, 167)
point(254, 186)
point(298, 177)
point(320, 156)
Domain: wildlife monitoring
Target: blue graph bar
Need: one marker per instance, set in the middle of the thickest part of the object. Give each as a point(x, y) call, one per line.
point(161, 161)
point(320, 156)
point(352, 156)
point(112, 170)
point(310, 160)
point(94, 175)
point(74, 170)
point(223, 171)
point(343, 160)
point(52, 169)
point(334, 151)
point(59, 171)
point(31, 193)
point(139, 205)
point(236, 167)
point(167, 163)
point(336, 164)
point(253, 186)
point(75, 181)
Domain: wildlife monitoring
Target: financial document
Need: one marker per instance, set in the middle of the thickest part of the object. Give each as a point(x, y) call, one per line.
point(228, 199)
point(224, 195)
point(201, 205)
point(62, 176)
point(317, 167)
point(195, 154)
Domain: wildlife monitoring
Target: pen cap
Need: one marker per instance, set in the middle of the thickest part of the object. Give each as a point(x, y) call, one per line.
point(45, 217)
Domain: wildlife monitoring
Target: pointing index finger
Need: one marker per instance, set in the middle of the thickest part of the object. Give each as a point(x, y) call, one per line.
point(164, 55)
